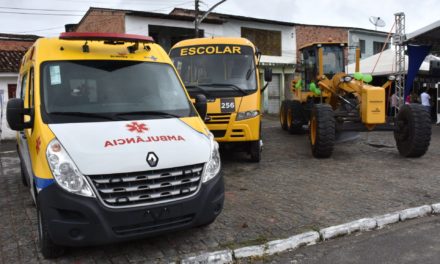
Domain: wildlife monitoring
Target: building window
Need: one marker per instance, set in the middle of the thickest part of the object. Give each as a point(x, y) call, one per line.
point(377, 46)
point(267, 41)
point(12, 89)
point(362, 46)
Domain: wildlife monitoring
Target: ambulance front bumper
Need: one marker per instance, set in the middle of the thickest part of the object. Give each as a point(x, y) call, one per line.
point(81, 221)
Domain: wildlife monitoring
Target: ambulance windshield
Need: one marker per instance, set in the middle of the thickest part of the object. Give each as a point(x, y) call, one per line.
point(217, 68)
point(89, 89)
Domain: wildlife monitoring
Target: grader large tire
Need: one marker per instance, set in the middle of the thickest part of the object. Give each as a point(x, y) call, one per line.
point(322, 130)
point(283, 114)
point(294, 117)
point(413, 130)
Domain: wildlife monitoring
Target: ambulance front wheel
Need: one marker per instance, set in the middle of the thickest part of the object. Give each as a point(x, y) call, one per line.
point(48, 249)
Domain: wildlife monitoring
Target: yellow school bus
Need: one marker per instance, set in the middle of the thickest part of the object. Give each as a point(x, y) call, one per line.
point(225, 71)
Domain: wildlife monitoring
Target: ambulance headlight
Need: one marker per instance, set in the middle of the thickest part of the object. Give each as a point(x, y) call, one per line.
point(247, 115)
point(213, 166)
point(65, 172)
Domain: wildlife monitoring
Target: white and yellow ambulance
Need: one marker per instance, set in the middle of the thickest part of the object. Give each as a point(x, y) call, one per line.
point(111, 147)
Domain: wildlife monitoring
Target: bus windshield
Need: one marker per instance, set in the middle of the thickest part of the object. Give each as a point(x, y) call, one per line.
point(217, 68)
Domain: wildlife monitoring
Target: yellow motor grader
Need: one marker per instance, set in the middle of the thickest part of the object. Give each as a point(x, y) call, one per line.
point(331, 102)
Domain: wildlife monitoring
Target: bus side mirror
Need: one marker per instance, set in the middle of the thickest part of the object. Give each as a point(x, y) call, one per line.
point(267, 78)
point(201, 105)
point(267, 75)
point(15, 113)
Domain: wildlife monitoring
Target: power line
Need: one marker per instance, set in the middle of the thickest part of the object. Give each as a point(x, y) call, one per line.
point(107, 2)
point(38, 9)
point(39, 30)
point(38, 14)
point(78, 15)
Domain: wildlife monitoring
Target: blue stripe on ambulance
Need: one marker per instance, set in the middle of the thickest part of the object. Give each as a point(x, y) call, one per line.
point(42, 183)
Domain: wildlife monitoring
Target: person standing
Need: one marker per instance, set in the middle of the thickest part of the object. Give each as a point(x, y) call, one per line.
point(426, 100)
point(393, 104)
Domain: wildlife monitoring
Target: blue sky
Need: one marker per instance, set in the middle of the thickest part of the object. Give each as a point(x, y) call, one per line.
point(15, 17)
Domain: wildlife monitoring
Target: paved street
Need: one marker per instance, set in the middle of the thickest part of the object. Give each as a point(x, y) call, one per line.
point(415, 241)
point(287, 193)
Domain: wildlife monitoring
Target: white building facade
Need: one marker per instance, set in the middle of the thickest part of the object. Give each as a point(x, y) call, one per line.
point(6, 81)
point(283, 64)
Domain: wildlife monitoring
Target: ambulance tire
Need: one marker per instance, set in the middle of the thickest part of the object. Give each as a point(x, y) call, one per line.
point(23, 176)
point(48, 249)
point(413, 130)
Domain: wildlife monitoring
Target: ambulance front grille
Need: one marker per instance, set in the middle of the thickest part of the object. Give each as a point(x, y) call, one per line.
point(149, 187)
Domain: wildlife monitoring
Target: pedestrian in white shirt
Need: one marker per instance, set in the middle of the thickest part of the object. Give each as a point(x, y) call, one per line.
point(393, 102)
point(426, 98)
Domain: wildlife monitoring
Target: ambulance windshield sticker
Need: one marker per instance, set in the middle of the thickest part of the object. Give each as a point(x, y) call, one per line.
point(55, 75)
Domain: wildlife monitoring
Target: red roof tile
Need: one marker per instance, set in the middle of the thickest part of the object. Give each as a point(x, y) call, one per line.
point(10, 60)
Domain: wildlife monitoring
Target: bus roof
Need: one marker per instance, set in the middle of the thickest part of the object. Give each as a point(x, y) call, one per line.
point(213, 40)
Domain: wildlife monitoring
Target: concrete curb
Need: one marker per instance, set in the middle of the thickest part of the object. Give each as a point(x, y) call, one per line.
point(415, 212)
point(224, 256)
point(387, 219)
point(363, 224)
point(313, 237)
point(246, 252)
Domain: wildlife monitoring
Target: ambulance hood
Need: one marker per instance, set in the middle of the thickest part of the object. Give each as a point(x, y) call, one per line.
point(123, 146)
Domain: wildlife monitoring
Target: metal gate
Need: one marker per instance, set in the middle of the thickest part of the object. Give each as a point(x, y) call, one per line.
point(274, 95)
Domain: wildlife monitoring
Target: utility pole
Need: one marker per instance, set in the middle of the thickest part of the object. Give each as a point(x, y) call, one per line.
point(197, 20)
point(196, 24)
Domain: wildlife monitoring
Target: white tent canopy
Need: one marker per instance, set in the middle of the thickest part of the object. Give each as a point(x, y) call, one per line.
point(385, 65)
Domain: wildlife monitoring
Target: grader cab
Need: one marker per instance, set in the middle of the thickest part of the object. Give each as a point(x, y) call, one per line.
point(332, 102)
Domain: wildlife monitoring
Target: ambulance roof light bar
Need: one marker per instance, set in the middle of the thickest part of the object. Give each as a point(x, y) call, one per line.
point(108, 38)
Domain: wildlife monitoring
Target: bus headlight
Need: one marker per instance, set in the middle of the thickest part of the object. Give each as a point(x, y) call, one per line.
point(65, 172)
point(247, 115)
point(213, 166)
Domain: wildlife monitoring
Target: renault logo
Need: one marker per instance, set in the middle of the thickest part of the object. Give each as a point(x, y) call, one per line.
point(152, 159)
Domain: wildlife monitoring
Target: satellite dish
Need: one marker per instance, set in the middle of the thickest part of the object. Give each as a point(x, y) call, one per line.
point(377, 22)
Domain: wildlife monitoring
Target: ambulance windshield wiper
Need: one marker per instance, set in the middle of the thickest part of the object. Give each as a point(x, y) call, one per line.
point(85, 114)
point(233, 86)
point(151, 113)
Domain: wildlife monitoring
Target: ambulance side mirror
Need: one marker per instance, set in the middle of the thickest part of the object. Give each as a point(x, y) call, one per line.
point(201, 105)
point(15, 113)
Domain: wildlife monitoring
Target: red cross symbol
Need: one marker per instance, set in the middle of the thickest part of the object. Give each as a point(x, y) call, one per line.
point(137, 127)
point(38, 145)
